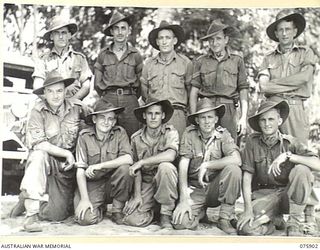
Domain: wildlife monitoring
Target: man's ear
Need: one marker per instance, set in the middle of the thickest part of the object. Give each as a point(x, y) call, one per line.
point(163, 115)
point(50, 36)
point(144, 115)
point(175, 40)
point(94, 118)
point(227, 37)
point(280, 121)
point(196, 119)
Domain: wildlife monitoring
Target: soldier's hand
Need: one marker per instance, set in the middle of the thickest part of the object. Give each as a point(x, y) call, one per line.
point(69, 162)
point(202, 174)
point(181, 209)
point(242, 126)
point(274, 168)
point(90, 171)
point(82, 207)
point(132, 204)
point(245, 217)
point(134, 168)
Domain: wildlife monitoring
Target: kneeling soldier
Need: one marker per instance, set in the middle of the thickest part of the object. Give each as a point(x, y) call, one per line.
point(155, 147)
point(103, 157)
point(207, 152)
point(278, 167)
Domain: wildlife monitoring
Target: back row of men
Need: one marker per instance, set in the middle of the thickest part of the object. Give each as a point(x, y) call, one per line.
point(205, 169)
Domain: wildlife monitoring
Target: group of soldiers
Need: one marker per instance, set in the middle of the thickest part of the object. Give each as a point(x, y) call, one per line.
point(173, 156)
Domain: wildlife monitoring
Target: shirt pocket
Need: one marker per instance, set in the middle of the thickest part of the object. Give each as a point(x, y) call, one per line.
point(294, 65)
point(93, 155)
point(261, 168)
point(230, 75)
point(208, 78)
point(275, 69)
point(109, 67)
point(111, 153)
point(154, 82)
point(76, 71)
point(129, 68)
point(177, 79)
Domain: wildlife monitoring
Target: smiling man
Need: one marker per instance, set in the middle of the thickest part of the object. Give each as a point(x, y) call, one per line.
point(155, 147)
point(103, 156)
point(287, 72)
point(62, 58)
point(277, 177)
point(221, 76)
point(118, 70)
point(52, 130)
point(208, 155)
point(168, 74)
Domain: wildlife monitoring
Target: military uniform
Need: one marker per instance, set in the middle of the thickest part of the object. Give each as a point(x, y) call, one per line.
point(159, 184)
point(224, 186)
point(44, 173)
point(114, 183)
point(120, 83)
point(282, 69)
point(271, 195)
point(169, 80)
point(71, 64)
point(221, 81)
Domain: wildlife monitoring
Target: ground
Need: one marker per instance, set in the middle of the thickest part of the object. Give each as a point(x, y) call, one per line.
point(13, 226)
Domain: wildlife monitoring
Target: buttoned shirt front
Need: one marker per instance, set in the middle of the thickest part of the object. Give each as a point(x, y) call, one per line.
point(119, 73)
point(70, 64)
point(167, 80)
point(90, 150)
point(60, 128)
point(258, 156)
point(220, 78)
point(277, 65)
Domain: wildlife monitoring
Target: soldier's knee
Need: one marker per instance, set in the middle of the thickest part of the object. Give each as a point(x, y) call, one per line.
point(233, 170)
point(138, 219)
point(264, 229)
point(167, 168)
point(300, 171)
point(38, 156)
point(187, 223)
point(123, 170)
point(90, 218)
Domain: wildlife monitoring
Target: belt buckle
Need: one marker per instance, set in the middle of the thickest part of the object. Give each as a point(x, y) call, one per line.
point(119, 91)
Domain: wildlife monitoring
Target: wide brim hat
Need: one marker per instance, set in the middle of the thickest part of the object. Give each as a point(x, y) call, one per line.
point(103, 106)
point(176, 29)
point(116, 18)
point(215, 27)
point(166, 107)
point(206, 105)
point(52, 78)
point(284, 15)
point(282, 106)
point(58, 22)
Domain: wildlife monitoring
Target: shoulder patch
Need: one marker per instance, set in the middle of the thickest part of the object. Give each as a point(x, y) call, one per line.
point(86, 130)
point(191, 128)
point(236, 53)
point(270, 52)
point(289, 138)
point(185, 58)
point(135, 134)
point(44, 54)
point(221, 129)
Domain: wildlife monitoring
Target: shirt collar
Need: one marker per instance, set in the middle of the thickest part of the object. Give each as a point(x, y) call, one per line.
point(279, 138)
point(216, 134)
point(227, 55)
point(93, 132)
point(159, 60)
point(54, 51)
point(67, 105)
point(130, 48)
point(294, 47)
point(144, 132)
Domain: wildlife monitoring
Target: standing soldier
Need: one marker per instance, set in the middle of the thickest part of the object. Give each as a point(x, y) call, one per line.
point(118, 69)
point(168, 74)
point(221, 76)
point(155, 147)
point(279, 168)
point(208, 154)
point(287, 72)
point(49, 179)
point(103, 156)
point(64, 59)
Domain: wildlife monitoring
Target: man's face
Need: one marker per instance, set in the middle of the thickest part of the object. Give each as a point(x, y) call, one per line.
point(166, 41)
point(218, 42)
point(285, 32)
point(55, 95)
point(104, 122)
point(207, 121)
point(153, 116)
point(60, 37)
point(120, 32)
point(270, 121)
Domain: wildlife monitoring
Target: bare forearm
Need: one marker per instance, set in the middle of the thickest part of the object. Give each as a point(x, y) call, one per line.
point(193, 99)
point(82, 183)
point(310, 161)
point(137, 184)
point(121, 160)
point(244, 102)
point(52, 149)
point(246, 190)
point(84, 91)
point(219, 164)
point(166, 156)
point(183, 178)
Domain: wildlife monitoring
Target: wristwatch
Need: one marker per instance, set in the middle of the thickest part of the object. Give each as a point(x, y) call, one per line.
point(288, 155)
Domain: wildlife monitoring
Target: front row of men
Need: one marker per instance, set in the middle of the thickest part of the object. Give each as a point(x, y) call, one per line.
point(155, 175)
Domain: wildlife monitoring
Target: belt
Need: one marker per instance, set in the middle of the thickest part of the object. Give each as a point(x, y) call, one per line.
point(293, 100)
point(119, 91)
point(269, 186)
point(218, 98)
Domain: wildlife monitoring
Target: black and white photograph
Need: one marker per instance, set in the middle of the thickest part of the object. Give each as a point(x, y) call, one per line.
point(158, 121)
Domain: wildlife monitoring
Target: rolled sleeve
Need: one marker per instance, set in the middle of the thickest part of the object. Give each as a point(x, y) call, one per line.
point(263, 70)
point(186, 146)
point(189, 73)
point(196, 77)
point(81, 153)
point(242, 76)
point(86, 73)
point(310, 58)
point(228, 145)
point(172, 140)
point(39, 69)
point(124, 144)
point(247, 156)
point(35, 129)
point(99, 63)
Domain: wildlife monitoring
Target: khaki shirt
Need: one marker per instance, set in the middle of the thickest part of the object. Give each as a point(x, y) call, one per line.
point(258, 156)
point(60, 129)
point(120, 73)
point(71, 64)
point(168, 139)
point(167, 80)
point(220, 78)
point(277, 65)
point(90, 150)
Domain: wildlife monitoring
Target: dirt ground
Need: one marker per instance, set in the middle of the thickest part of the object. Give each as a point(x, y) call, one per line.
point(13, 226)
